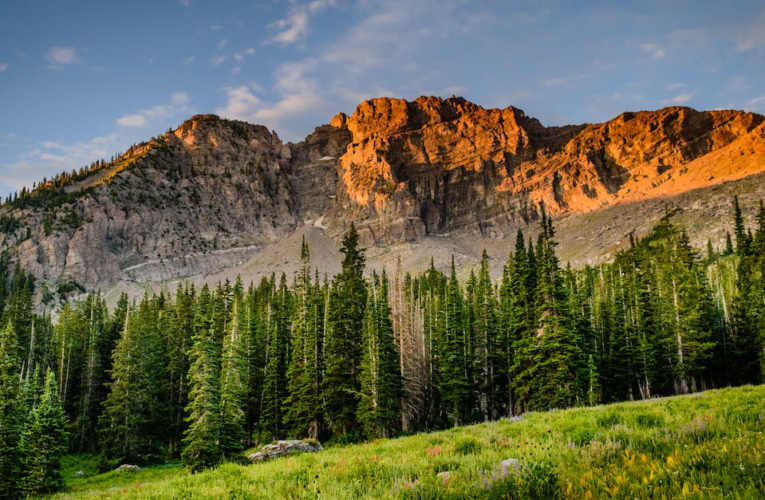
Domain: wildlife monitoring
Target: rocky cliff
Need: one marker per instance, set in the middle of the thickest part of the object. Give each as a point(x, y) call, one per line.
point(216, 194)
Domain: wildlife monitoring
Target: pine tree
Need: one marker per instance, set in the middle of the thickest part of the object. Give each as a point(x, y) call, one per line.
point(739, 229)
point(380, 371)
point(134, 415)
point(303, 402)
point(488, 355)
point(45, 442)
point(11, 414)
point(202, 438)
point(558, 356)
point(455, 388)
point(233, 383)
point(343, 349)
point(277, 359)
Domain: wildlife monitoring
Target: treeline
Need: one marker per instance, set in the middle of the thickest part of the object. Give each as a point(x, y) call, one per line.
point(204, 373)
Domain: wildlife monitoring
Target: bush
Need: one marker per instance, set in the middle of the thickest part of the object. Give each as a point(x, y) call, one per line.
point(466, 445)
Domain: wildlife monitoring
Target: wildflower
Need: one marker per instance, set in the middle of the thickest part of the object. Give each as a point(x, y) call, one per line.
point(434, 451)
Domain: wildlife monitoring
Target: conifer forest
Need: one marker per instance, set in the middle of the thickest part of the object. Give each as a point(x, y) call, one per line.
point(200, 374)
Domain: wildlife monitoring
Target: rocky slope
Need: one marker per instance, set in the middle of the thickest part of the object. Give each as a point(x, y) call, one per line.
point(428, 176)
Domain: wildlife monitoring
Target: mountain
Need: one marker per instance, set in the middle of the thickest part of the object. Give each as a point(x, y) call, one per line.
point(428, 178)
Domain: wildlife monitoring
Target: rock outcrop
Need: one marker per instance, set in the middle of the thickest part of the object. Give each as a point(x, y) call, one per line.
point(216, 193)
point(283, 448)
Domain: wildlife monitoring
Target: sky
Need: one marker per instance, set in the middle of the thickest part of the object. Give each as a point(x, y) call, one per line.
point(82, 80)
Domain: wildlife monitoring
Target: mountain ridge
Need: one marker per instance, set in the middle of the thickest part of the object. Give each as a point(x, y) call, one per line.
point(213, 193)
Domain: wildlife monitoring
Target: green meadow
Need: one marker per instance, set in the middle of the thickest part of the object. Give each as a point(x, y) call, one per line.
point(704, 445)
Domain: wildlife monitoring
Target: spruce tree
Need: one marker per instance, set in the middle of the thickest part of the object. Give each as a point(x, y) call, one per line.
point(455, 388)
point(45, 442)
point(202, 438)
point(11, 414)
point(379, 410)
point(558, 355)
point(233, 383)
point(343, 349)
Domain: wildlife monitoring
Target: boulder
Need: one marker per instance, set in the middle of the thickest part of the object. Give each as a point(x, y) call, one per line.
point(510, 462)
point(127, 468)
point(282, 448)
point(79, 473)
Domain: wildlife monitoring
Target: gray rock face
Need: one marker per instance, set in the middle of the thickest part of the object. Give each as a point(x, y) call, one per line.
point(128, 468)
point(214, 193)
point(510, 463)
point(282, 448)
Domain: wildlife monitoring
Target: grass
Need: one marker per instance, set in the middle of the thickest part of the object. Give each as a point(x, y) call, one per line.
point(705, 445)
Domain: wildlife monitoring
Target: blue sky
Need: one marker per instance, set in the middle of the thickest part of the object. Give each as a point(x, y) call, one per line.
point(81, 80)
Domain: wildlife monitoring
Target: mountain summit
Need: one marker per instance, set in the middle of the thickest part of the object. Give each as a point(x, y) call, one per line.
point(426, 177)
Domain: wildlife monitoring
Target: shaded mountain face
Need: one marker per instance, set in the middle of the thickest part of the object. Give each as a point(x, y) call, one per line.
point(216, 193)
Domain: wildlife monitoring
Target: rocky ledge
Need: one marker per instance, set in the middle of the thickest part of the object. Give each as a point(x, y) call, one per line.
point(282, 448)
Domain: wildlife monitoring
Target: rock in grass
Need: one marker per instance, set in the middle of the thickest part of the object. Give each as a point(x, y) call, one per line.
point(127, 468)
point(510, 462)
point(79, 473)
point(282, 448)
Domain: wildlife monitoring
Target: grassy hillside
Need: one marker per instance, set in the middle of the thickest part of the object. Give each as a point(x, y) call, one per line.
point(705, 445)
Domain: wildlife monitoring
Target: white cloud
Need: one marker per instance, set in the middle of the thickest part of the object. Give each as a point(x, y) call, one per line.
point(222, 44)
point(678, 99)
point(752, 36)
point(295, 27)
point(3, 67)
point(218, 60)
point(216, 27)
point(180, 98)
point(186, 3)
point(189, 60)
point(178, 107)
point(58, 57)
point(654, 50)
point(135, 120)
point(51, 157)
point(242, 104)
point(756, 104)
point(299, 95)
point(675, 86)
point(560, 80)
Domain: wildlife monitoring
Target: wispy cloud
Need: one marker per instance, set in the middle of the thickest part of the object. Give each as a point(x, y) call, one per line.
point(186, 3)
point(560, 80)
point(752, 36)
point(51, 157)
point(189, 60)
point(179, 105)
point(3, 67)
point(298, 95)
point(756, 104)
point(295, 27)
point(653, 50)
point(218, 60)
point(58, 57)
point(679, 99)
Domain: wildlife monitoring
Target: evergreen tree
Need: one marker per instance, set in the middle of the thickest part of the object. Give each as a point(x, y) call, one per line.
point(558, 356)
point(11, 414)
point(303, 415)
point(379, 406)
point(202, 438)
point(455, 388)
point(275, 389)
point(45, 442)
point(343, 349)
point(233, 383)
